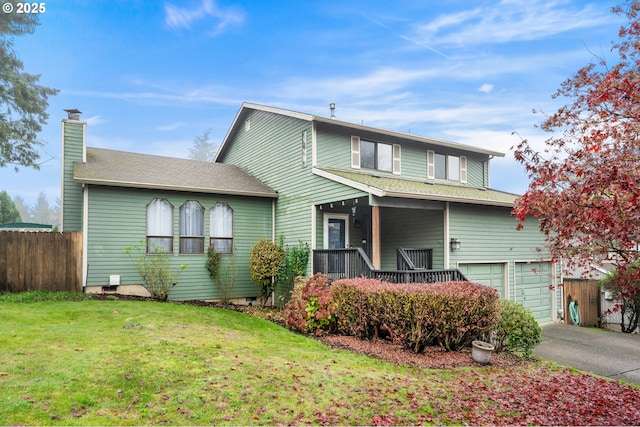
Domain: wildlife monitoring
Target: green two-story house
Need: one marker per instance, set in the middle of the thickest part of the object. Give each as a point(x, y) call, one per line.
point(345, 185)
point(367, 201)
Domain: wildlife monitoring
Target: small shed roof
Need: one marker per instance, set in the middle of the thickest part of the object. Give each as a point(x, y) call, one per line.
point(124, 169)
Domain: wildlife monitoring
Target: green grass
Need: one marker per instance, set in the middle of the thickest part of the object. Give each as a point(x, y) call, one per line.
point(93, 362)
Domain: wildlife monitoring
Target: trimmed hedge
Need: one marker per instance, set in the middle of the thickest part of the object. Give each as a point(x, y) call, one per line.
point(450, 314)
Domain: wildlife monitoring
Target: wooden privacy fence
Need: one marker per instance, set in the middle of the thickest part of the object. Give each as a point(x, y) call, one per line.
point(587, 294)
point(31, 261)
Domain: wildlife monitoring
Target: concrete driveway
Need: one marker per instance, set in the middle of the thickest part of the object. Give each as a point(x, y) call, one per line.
point(598, 351)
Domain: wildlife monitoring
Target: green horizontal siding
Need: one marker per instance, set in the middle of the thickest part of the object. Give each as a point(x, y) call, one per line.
point(72, 140)
point(117, 219)
point(271, 150)
point(334, 151)
point(489, 234)
point(410, 228)
point(488, 237)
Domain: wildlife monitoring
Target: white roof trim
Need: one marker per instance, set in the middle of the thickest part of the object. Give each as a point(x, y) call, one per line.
point(345, 181)
point(378, 192)
point(148, 186)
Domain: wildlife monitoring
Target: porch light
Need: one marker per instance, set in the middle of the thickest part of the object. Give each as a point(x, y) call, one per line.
point(454, 244)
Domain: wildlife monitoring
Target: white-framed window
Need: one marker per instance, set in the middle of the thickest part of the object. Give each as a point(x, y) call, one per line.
point(443, 166)
point(221, 228)
point(191, 228)
point(379, 156)
point(159, 226)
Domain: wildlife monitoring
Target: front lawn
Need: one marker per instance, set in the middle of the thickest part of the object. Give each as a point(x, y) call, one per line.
point(133, 363)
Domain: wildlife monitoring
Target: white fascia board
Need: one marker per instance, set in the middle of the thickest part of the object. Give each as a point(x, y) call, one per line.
point(353, 184)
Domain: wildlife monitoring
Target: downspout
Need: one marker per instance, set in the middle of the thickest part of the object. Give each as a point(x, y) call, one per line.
point(85, 236)
point(314, 219)
point(446, 235)
point(273, 239)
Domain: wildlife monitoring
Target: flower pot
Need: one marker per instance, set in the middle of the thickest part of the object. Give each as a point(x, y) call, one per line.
point(481, 351)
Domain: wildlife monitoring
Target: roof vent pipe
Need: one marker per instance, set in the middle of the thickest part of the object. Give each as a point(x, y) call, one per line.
point(332, 107)
point(74, 113)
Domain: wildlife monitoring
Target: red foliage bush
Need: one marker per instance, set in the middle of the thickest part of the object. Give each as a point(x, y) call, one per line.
point(450, 314)
point(311, 305)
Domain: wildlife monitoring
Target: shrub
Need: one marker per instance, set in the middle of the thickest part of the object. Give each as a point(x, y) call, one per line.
point(213, 261)
point(155, 270)
point(265, 261)
point(311, 306)
point(224, 276)
point(295, 264)
point(450, 314)
point(517, 329)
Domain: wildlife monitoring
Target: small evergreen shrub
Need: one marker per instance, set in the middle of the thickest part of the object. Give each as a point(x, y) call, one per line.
point(295, 264)
point(265, 262)
point(517, 329)
point(311, 307)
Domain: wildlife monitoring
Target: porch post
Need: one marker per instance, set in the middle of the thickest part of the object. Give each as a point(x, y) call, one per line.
point(375, 236)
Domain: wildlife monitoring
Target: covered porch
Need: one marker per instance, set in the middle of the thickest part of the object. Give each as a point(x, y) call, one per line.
point(392, 239)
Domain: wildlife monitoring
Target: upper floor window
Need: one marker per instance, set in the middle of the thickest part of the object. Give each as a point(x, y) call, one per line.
point(375, 155)
point(159, 226)
point(221, 228)
point(191, 228)
point(441, 166)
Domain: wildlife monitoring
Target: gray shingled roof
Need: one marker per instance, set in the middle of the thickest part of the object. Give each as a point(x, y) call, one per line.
point(123, 169)
point(385, 186)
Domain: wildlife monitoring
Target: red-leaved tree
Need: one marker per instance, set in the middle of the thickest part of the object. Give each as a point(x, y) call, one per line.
point(585, 184)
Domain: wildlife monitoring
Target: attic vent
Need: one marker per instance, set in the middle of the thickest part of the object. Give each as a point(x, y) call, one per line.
point(73, 113)
point(332, 108)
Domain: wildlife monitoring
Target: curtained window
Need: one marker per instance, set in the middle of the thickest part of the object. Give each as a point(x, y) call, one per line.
point(221, 233)
point(191, 228)
point(159, 226)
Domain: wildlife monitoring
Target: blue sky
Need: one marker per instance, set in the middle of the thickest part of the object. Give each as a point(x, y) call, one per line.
point(150, 76)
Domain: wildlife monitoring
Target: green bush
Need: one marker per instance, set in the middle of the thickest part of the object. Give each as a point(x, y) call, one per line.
point(311, 306)
point(294, 265)
point(265, 261)
point(517, 329)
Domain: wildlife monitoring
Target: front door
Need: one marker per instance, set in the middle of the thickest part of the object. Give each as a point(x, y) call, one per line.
point(336, 236)
point(337, 233)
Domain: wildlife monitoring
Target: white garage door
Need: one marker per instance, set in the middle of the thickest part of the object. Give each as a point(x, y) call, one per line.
point(532, 288)
point(488, 274)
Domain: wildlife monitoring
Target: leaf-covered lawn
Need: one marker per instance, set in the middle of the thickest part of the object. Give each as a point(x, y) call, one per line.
point(134, 363)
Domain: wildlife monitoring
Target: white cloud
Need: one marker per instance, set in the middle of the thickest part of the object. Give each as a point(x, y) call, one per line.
point(184, 17)
point(486, 88)
point(94, 120)
point(508, 21)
